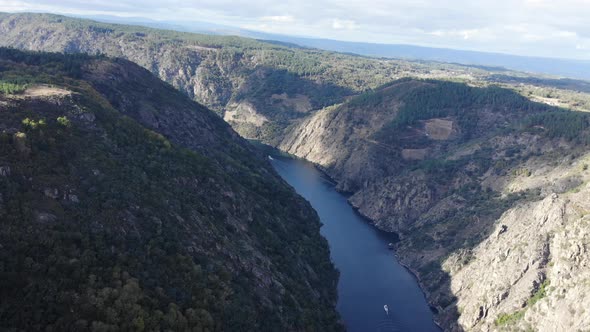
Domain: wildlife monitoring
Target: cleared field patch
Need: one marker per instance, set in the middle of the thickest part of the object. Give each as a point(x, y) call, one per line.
point(414, 154)
point(439, 129)
point(45, 91)
point(299, 103)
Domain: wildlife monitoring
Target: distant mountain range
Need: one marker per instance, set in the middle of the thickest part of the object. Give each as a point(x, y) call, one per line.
point(553, 66)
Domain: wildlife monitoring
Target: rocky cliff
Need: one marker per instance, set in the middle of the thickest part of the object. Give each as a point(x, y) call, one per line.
point(531, 273)
point(469, 177)
point(124, 205)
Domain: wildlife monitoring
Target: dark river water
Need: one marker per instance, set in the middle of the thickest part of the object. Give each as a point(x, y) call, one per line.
point(370, 276)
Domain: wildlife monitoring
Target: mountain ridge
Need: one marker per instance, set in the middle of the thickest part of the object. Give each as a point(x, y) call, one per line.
point(566, 67)
point(236, 77)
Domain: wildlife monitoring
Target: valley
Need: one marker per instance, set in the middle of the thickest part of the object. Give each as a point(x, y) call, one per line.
point(482, 172)
point(447, 166)
point(369, 277)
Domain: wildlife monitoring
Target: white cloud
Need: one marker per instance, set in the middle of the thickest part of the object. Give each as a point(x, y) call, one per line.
point(279, 19)
point(344, 24)
point(479, 35)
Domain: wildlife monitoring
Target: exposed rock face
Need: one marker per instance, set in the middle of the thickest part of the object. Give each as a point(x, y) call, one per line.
point(340, 139)
point(394, 202)
point(533, 267)
point(481, 207)
point(493, 219)
point(281, 83)
point(243, 113)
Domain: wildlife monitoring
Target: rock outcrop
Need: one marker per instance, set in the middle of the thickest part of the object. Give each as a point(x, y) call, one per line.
point(490, 212)
point(531, 272)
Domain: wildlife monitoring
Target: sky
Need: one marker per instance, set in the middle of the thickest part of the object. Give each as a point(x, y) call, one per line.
point(558, 28)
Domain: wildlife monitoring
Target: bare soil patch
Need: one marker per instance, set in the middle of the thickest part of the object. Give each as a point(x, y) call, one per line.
point(45, 91)
point(439, 129)
point(414, 154)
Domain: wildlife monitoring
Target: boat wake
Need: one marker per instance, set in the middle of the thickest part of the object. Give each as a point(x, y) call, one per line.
point(388, 325)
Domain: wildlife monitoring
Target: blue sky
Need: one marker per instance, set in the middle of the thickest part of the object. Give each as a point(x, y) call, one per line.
point(526, 27)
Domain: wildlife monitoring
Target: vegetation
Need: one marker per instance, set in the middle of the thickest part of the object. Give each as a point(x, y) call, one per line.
point(218, 70)
point(107, 225)
point(11, 88)
point(149, 170)
point(539, 294)
point(463, 104)
point(450, 204)
point(561, 124)
point(233, 69)
point(508, 319)
point(459, 100)
point(64, 121)
point(511, 318)
point(344, 70)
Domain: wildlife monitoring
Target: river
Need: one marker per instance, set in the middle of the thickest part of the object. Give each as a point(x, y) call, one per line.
point(370, 276)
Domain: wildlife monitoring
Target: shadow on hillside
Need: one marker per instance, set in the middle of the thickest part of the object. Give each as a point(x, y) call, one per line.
point(459, 234)
point(437, 282)
point(444, 305)
point(265, 85)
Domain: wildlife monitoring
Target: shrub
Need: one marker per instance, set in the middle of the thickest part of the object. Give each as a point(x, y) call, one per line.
point(64, 121)
point(33, 124)
point(11, 88)
point(507, 319)
point(539, 294)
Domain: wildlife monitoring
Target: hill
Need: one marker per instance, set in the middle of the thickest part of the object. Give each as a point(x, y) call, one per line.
point(571, 68)
point(554, 66)
point(261, 87)
point(126, 206)
point(480, 184)
point(258, 87)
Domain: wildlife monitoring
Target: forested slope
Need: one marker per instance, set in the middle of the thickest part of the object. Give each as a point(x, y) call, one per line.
point(126, 206)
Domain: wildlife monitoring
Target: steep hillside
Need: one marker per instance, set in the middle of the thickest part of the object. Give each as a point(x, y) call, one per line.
point(258, 87)
point(440, 163)
point(126, 206)
point(533, 271)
